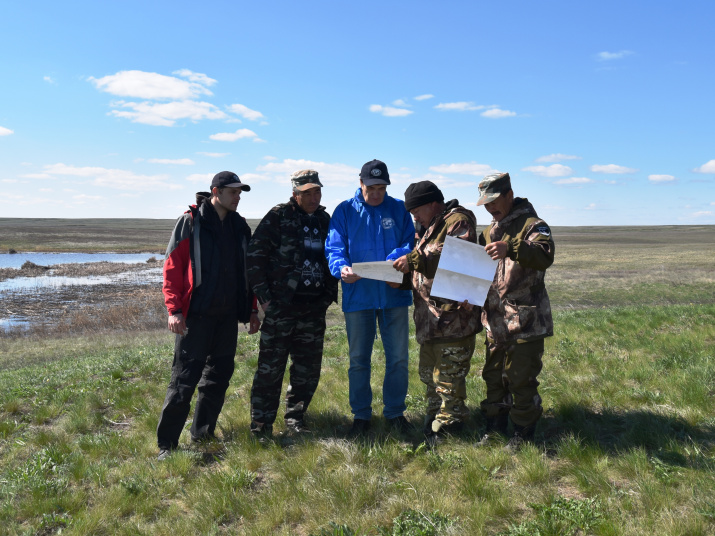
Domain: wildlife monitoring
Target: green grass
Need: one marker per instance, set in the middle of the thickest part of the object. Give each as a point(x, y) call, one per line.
point(626, 445)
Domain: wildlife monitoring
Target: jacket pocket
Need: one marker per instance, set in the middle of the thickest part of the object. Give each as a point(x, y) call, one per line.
point(519, 318)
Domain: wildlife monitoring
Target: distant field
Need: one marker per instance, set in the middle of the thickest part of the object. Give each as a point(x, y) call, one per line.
point(626, 445)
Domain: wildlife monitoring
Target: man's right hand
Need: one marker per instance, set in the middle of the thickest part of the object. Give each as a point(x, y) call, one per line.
point(348, 276)
point(177, 324)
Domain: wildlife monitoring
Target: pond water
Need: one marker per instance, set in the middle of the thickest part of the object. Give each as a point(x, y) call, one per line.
point(16, 260)
point(26, 284)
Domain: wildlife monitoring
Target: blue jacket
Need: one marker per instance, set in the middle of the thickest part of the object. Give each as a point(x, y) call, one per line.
point(362, 233)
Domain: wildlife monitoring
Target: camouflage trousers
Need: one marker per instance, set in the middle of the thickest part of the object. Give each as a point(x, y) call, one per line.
point(443, 369)
point(297, 331)
point(510, 373)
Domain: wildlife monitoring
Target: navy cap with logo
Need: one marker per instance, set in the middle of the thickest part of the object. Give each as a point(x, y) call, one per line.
point(374, 172)
point(228, 179)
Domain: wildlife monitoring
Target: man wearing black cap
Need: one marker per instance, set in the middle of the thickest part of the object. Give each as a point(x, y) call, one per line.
point(372, 226)
point(289, 274)
point(517, 313)
point(206, 295)
point(446, 330)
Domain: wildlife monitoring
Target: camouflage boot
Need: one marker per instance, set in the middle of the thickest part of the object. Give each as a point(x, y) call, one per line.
point(522, 434)
point(496, 426)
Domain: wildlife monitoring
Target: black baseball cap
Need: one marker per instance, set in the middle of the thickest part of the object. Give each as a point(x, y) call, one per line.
point(228, 179)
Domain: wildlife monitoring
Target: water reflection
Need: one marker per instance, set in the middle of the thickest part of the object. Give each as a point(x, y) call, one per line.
point(16, 260)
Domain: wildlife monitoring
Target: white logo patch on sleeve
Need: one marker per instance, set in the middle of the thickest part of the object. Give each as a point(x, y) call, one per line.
point(543, 230)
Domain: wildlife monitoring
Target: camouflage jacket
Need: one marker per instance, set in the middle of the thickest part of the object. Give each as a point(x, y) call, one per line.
point(517, 305)
point(436, 318)
point(277, 251)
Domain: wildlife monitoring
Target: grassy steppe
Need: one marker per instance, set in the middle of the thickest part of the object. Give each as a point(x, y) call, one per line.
point(626, 445)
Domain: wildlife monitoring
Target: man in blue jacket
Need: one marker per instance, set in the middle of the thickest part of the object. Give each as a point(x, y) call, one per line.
point(372, 226)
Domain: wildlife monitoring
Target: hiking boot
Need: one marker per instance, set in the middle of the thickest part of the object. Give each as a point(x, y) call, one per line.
point(297, 428)
point(399, 425)
point(427, 424)
point(496, 429)
point(360, 428)
point(439, 432)
point(522, 435)
point(163, 454)
point(204, 439)
point(262, 433)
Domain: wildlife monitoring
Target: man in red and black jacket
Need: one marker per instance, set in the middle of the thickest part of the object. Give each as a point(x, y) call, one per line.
point(206, 293)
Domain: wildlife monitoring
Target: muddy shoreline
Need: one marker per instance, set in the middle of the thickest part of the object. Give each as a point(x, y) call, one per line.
point(132, 302)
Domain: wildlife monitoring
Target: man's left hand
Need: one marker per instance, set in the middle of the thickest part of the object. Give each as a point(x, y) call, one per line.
point(401, 265)
point(254, 325)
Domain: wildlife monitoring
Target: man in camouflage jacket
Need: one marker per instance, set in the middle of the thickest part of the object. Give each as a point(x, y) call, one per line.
point(289, 275)
point(517, 313)
point(446, 330)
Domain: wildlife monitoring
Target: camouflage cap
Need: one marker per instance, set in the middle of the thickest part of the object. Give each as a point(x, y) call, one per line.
point(305, 179)
point(492, 186)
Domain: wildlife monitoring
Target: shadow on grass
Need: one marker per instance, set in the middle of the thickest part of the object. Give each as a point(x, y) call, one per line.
point(617, 431)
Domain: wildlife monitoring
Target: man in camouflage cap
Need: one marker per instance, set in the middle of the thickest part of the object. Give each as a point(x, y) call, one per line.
point(517, 313)
point(289, 275)
point(446, 330)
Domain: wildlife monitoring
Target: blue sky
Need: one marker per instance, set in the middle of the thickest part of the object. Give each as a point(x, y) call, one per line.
point(602, 112)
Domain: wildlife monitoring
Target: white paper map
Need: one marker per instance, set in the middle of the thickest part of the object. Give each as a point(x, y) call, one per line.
point(380, 270)
point(465, 272)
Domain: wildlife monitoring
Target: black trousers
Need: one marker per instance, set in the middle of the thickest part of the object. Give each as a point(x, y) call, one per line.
point(203, 358)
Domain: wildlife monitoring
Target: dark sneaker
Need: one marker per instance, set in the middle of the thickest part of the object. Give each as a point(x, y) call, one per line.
point(399, 425)
point(522, 435)
point(360, 428)
point(427, 424)
point(203, 439)
point(163, 454)
point(297, 428)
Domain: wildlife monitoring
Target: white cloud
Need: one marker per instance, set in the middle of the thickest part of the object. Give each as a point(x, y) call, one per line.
point(554, 170)
point(245, 112)
point(468, 168)
point(592, 206)
point(6, 131)
point(389, 111)
point(708, 167)
point(400, 102)
point(241, 133)
point(661, 178)
point(497, 113)
point(201, 177)
point(198, 78)
point(574, 180)
point(330, 174)
point(702, 213)
point(178, 161)
point(119, 179)
point(215, 155)
point(82, 198)
point(49, 80)
point(153, 86)
point(458, 106)
point(8, 180)
point(36, 176)
point(608, 56)
point(612, 169)
point(557, 157)
point(166, 114)
point(424, 97)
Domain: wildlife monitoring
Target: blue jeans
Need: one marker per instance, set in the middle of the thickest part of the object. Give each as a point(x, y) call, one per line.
point(394, 332)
